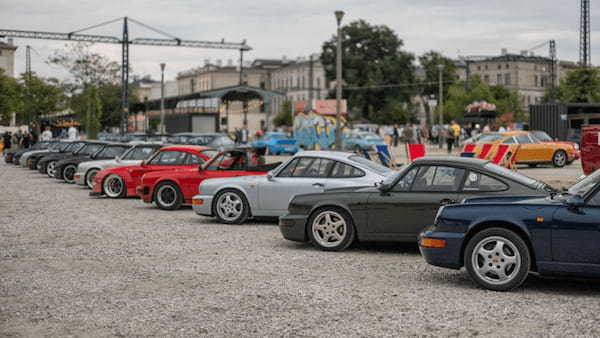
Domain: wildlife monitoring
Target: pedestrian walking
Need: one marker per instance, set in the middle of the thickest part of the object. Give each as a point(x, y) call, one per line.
point(46, 134)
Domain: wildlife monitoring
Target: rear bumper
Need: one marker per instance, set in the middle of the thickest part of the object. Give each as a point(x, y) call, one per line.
point(293, 227)
point(447, 257)
point(202, 205)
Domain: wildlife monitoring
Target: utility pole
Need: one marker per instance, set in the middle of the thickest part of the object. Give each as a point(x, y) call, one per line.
point(28, 61)
point(310, 82)
point(124, 77)
point(163, 130)
point(241, 66)
point(338, 79)
point(552, 70)
point(440, 68)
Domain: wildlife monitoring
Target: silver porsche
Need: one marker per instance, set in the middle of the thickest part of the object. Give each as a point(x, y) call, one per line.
point(233, 200)
point(136, 154)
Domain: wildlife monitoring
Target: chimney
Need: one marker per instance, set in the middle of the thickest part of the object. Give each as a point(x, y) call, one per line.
point(504, 51)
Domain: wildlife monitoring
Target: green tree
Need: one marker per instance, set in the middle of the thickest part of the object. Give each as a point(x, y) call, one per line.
point(506, 100)
point(430, 83)
point(10, 91)
point(93, 113)
point(581, 86)
point(285, 116)
point(392, 113)
point(38, 97)
point(373, 64)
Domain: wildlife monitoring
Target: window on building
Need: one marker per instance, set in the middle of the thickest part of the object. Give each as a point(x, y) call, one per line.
point(303, 83)
point(499, 79)
point(478, 67)
point(298, 82)
point(499, 66)
point(506, 66)
point(318, 83)
point(507, 79)
point(262, 85)
point(192, 84)
point(486, 67)
point(528, 99)
point(535, 80)
point(486, 78)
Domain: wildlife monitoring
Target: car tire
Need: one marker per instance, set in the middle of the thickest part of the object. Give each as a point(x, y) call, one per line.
point(331, 229)
point(113, 186)
point(559, 159)
point(68, 173)
point(89, 177)
point(230, 206)
point(168, 196)
point(497, 259)
point(51, 168)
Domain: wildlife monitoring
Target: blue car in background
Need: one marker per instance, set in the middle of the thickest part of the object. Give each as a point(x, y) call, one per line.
point(500, 240)
point(278, 143)
point(363, 140)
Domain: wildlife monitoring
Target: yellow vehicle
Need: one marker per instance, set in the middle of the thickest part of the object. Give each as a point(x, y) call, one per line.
point(532, 151)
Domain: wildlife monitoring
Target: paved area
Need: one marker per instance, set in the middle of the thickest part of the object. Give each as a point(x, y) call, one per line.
point(71, 265)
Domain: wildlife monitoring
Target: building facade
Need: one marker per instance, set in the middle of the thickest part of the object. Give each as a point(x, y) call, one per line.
point(7, 57)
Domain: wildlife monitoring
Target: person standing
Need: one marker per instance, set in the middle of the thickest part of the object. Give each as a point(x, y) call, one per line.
point(448, 134)
point(456, 132)
point(46, 135)
point(72, 133)
point(395, 135)
point(7, 138)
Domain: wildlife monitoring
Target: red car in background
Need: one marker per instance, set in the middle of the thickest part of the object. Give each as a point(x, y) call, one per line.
point(172, 188)
point(590, 148)
point(122, 181)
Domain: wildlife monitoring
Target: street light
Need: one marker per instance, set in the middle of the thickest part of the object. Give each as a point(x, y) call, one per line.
point(440, 68)
point(338, 80)
point(162, 98)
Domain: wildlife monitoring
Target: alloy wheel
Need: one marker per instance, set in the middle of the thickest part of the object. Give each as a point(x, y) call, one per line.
point(89, 178)
point(329, 229)
point(229, 206)
point(496, 260)
point(113, 186)
point(166, 195)
point(69, 173)
point(51, 168)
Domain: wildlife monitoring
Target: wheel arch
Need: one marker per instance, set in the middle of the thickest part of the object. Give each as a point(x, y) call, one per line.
point(161, 181)
point(512, 226)
point(231, 187)
point(328, 204)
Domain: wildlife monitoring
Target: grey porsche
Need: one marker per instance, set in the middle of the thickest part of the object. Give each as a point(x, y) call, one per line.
point(402, 205)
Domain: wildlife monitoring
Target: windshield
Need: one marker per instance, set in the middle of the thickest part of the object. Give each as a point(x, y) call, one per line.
point(489, 137)
point(89, 149)
point(368, 164)
point(542, 136)
point(110, 152)
point(582, 187)
point(138, 153)
point(513, 175)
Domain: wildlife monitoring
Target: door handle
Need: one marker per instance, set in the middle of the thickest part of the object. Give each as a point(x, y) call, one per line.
point(447, 201)
point(318, 185)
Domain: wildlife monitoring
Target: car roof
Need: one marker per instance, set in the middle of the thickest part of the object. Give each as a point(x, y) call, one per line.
point(332, 154)
point(186, 148)
point(468, 161)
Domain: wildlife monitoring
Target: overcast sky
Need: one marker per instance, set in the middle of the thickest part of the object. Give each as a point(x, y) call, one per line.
point(275, 28)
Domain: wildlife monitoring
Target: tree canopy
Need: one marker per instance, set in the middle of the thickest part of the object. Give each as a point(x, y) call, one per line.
point(580, 86)
point(373, 64)
point(429, 62)
point(38, 97)
point(10, 91)
point(285, 116)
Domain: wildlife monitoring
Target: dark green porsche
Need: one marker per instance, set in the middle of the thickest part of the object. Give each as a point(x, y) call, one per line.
point(400, 207)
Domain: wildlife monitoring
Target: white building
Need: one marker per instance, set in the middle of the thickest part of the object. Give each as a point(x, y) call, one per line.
point(7, 57)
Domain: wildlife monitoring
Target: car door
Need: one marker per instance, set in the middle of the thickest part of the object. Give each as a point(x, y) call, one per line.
point(413, 201)
point(530, 151)
point(302, 175)
point(576, 233)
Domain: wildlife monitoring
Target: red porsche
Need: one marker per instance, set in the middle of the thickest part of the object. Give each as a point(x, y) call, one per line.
point(172, 188)
point(122, 181)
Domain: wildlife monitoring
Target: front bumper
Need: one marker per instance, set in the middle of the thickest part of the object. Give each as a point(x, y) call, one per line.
point(448, 256)
point(293, 227)
point(79, 178)
point(202, 205)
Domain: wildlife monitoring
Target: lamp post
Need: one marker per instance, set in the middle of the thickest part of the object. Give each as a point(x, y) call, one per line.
point(440, 68)
point(162, 98)
point(338, 82)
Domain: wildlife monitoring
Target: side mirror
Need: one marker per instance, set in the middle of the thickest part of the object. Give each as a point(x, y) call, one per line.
point(270, 176)
point(384, 187)
point(575, 201)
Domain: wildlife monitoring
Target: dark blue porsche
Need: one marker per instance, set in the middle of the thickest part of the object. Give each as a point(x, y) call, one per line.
point(500, 241)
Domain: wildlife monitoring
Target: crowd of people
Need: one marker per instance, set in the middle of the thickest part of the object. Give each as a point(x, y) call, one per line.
point(25, 138)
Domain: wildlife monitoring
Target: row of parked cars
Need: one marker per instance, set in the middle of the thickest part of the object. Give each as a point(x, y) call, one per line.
point(497, 223)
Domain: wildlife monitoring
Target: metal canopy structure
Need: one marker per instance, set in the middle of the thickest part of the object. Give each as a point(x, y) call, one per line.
point(125, 41)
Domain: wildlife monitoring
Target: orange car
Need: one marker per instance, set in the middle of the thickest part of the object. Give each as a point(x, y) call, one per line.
point(531, 151)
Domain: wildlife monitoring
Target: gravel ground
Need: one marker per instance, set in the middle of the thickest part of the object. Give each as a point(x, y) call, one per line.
point(71, 265)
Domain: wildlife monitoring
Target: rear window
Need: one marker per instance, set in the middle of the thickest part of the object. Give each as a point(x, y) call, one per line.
point(377, 168)
point(513, 175)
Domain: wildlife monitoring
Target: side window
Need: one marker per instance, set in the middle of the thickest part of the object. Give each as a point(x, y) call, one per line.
point(169, 157)
point(407, 180)
point(510, 140)
point(523, 139)
point(303, 168)
point(289, 169)
point(194, 159)
point(480, 182)
point(341, 170)
point(320, 168)
point(443, 179)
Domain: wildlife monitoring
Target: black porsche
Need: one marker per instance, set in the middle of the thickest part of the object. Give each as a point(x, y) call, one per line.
point(65, 169)
point(400, 207)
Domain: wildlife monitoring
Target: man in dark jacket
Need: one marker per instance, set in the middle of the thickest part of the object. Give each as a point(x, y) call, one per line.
point(6, 138)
